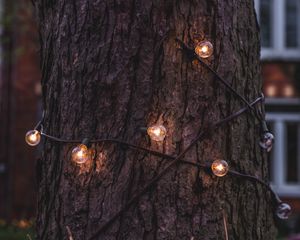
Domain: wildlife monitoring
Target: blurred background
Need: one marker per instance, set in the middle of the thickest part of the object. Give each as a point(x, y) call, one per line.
point(20, 109)
point(279, 22)
point(20, 98)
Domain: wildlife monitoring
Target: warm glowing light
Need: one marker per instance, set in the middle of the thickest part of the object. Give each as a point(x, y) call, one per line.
point(204, 49)
point(157, 132)
point(219, 168)
point(81, 154)
point(288, 91)
point(271, 91)
point(33, 137)
point(267, 140)
point(24, 224)
point(283, 211)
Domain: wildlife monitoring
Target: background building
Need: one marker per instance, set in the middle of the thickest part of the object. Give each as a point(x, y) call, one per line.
point(280, 55)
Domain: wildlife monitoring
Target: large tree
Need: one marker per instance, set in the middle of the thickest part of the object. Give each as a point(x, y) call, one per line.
point(111, 67)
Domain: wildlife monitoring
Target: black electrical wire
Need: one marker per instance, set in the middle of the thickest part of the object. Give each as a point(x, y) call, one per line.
point(178, 159)
point(190, 52)
point(166, 156)
point(175, 160)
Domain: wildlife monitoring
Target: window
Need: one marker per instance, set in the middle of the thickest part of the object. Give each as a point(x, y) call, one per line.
point(280, 29)
point(265, 13)
point(280, 53)
point(285, 157)
point(281, 80)
point(292, 9)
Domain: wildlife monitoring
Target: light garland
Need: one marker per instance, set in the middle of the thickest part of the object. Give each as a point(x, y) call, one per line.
point(33, 137)
point(204, 49)
point(82, 153)
point(283, 211)
point(267, 138)
point(157, 132)
point(220, 168)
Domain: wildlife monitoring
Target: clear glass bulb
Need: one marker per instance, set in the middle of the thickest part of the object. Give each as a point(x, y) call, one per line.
point(219, 168)
point(204, 49)
point(267, 141)
point(81, 154)
point(157, 132)
point(283, 211)
point(33, 137)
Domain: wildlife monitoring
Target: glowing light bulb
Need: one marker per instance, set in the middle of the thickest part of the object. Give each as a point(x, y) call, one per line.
point(81, 154)
point(157, 132)
point(283, 211)
point(204, 49)
point(267, 140)
point(33, 137)
point(219, 168)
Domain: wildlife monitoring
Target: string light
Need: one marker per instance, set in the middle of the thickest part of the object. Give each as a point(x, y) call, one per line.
point(219, 168)
point(283, 211)
point(204, 49)
point(267, 138)
point(33, 137)
point(164, 156)
point(82, 154)
point(157, 132)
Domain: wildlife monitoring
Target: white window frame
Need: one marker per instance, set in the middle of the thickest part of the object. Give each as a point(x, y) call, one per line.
point(278, 163)
point(279, 49)
point(283, 101)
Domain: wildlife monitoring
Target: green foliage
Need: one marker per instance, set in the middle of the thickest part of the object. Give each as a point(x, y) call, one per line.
point(13, 233)
point(17, 230)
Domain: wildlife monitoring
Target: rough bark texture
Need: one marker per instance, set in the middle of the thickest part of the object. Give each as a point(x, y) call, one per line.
point(110, 67)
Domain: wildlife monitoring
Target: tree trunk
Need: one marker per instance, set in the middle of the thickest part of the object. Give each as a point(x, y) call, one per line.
point(111, 67)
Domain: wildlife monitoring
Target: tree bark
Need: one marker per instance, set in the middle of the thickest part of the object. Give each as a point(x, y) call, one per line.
point(111, 67)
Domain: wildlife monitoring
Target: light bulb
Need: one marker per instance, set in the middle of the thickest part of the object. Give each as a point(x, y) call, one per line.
point(219, 168)
point(33, 137)
point(204, 49)
point(267, 140)
point(82, 154)
point(283, 211)
point(157, 132)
